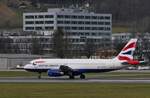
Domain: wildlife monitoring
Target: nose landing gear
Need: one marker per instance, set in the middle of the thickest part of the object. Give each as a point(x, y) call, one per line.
point(39, 76)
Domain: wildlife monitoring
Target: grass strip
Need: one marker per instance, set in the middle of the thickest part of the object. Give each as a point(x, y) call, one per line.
point(74, 90)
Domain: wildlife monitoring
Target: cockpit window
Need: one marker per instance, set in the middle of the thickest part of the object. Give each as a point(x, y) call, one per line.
point(34, 63)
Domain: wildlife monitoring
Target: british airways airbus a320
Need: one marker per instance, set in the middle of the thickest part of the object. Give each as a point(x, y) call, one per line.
point(77, 67)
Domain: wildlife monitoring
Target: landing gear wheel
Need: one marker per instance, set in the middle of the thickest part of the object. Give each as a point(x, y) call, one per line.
point(71, 77)
point(82, 76)
point(39, 77)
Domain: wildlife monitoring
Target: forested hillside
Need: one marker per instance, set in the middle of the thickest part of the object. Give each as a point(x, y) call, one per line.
point(131, 14)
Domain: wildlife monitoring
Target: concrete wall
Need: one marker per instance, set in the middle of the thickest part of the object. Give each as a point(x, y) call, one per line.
point(3, 63)
point(9, 61)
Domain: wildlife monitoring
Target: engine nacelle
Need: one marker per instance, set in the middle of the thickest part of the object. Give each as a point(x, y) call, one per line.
point(54, 73)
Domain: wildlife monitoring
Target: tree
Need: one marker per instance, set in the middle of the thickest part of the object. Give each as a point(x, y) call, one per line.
point(35, 45)
point(2, 45)
point(60, 43)
point(89, 48)
point(118, 45)
point(5, 45)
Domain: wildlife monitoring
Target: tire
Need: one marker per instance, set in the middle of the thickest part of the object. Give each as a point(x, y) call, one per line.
point(82, 76)
point(39, 76)
point(71, 77)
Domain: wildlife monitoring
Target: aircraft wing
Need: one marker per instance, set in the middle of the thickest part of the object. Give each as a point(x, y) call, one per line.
point(65, 69)
point(68, 70)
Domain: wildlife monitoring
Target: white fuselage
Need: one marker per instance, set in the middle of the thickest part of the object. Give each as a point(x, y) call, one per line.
point(76, 64)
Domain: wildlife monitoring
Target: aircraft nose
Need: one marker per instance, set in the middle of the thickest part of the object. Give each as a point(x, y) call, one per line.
point(28, 66)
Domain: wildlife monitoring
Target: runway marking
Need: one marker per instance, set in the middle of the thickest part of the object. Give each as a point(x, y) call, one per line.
point(121, 81)
point(66, 80)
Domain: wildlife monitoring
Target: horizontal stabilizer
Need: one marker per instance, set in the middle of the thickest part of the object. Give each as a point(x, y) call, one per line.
point(134, 62)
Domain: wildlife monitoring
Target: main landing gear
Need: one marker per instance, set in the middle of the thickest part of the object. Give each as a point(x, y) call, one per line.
point(71, 76)
point(70, 72)
point(82, 76)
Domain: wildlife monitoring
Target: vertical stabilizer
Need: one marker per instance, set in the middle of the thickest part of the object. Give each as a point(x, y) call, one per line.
point(126, 53)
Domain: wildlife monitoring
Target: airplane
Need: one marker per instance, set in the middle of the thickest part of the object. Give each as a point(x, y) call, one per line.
point(77, 67)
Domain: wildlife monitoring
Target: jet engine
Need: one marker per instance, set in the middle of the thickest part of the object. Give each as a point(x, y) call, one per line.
point(54, 73)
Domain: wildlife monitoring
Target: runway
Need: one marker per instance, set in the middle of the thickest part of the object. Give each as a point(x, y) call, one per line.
point(66, 80)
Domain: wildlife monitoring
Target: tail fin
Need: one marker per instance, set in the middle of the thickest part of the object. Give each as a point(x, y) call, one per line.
point(126, 53)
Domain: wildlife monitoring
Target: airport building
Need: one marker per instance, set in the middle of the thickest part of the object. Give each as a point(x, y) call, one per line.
point(80, 26)
point(121, 37)
point(25, 44)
